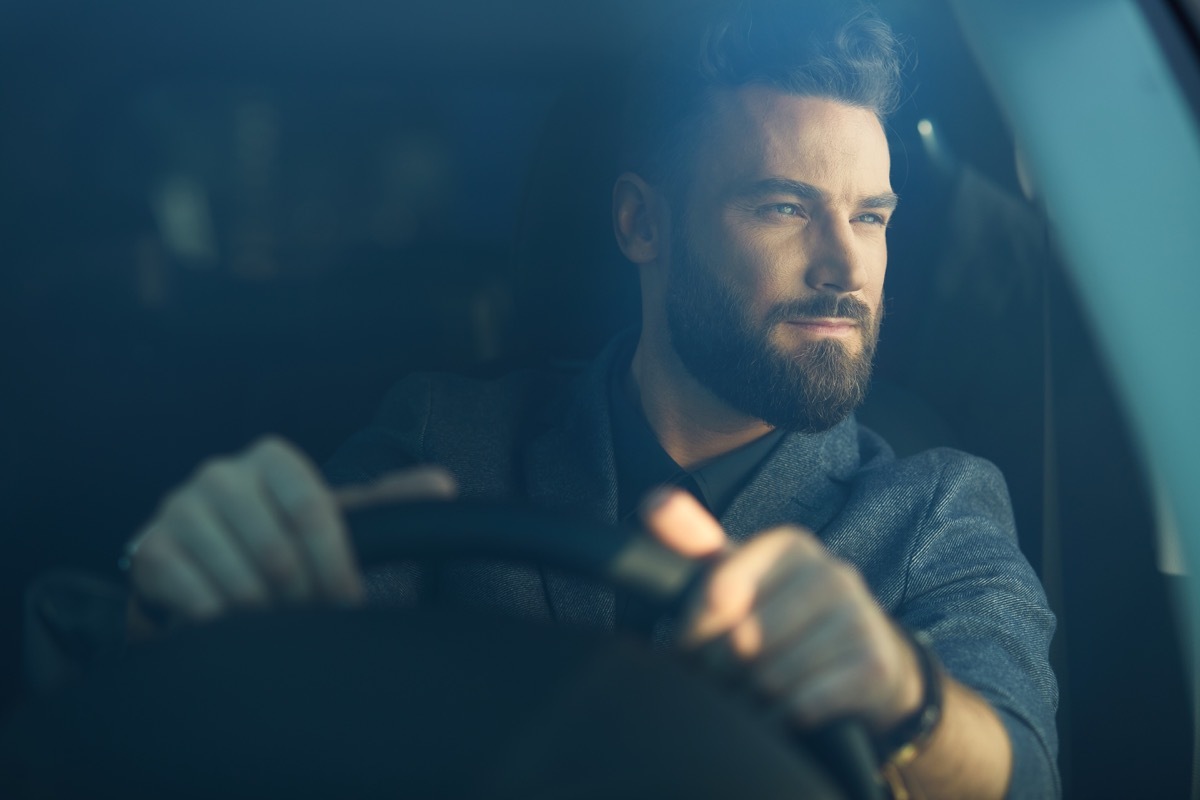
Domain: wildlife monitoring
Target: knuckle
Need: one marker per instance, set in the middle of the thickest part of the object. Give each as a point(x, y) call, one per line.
point(307, 519)
point(279, 563)
point(180, 523)
point(180, 506)
point(219, 476)
point(200, 609)
point(860, 627)
point(873, 668)
point(152, 554)
point(794, 534)
point(805, 707)
point(746, 639)
point(169, 501)
point(247, 594)
point(303, 503)
point(728, 593)
point(296, 490)
point(804, 534)
point(208, 465)
point(794, 538)
point(770, 680)
point(275, 453)
point(804, 550)
point(202, 469)
point(769, 544)
point(844, 577)
point(185, 506)
point(270, 444)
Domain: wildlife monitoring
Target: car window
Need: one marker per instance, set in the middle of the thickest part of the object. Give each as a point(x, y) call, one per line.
point(221, 223)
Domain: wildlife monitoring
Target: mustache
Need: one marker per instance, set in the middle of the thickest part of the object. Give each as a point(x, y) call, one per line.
point(826, 306)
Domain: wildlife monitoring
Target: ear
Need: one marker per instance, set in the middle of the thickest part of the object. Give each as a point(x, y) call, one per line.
point(638, 219)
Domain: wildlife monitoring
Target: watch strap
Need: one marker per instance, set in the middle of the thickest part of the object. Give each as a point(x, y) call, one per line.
point(905, 741)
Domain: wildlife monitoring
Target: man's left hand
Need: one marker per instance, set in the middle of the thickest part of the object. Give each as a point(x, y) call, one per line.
point(799, 623)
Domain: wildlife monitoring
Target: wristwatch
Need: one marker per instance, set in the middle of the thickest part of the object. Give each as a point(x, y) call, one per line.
point(907, 739)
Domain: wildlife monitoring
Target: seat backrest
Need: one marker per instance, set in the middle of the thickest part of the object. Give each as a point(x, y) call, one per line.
point(573, 288)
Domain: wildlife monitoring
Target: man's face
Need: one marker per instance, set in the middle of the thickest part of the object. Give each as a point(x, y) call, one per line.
point(778, 252)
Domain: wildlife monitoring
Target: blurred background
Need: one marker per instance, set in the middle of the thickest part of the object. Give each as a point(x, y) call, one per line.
point(225, 219)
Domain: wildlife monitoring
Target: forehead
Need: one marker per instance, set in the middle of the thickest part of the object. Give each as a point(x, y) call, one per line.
point(753, 133)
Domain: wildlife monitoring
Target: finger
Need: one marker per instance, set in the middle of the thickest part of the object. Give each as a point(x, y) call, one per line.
point(214, 550)
point(419, 483)
point(823, 646)
point(853, 663)
point(678, 521)
point(248, 514)
point(162, 575)
point(772, 557)
point(312, 517)
point(737, 584)
point(849, 686)
point(792, 604)
point(775, 638)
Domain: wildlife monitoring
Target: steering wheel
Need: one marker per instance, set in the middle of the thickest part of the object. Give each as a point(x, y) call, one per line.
point(379, 702)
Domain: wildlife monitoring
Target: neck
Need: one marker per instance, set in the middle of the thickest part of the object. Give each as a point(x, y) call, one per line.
point(692, 424)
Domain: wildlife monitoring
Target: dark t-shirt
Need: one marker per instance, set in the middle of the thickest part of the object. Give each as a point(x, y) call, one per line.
point(643, 465)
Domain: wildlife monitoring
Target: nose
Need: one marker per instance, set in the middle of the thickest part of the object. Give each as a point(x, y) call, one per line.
point(836, 263)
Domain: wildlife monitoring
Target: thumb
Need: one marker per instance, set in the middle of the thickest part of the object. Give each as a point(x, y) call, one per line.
point(678, 521)
point(410, 485)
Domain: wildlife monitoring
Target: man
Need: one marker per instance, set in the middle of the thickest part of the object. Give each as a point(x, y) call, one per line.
point(755, 205)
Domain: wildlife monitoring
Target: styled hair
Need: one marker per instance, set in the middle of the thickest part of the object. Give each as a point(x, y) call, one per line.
point(837, 49)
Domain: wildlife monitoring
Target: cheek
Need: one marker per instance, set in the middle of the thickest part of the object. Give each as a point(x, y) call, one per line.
point(764, 264)
point(728, 259)
point(878, 279)
point(763, 284)
point(871, 253)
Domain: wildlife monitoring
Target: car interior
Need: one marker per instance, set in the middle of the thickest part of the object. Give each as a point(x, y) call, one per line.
point(224, 220)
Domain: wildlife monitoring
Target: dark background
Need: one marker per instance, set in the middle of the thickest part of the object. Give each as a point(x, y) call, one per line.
point(220, 220)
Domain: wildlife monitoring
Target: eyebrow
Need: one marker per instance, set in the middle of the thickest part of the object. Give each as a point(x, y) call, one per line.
point(806, 191)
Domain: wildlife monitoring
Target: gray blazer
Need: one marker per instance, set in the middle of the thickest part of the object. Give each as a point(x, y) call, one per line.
point(932, 534)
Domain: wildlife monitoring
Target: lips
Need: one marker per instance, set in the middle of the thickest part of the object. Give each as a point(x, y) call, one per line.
point(824, 323)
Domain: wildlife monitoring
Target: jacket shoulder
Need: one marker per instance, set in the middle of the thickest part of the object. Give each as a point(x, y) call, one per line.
point(929, 473)
point(433, 417)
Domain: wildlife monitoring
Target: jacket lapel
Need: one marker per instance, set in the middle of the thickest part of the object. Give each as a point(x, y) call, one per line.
point(570, 469)
point(799, 483)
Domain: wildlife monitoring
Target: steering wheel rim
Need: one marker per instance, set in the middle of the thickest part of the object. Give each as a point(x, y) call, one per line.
point(610, 554)
point(621, 557)
point(615, 555)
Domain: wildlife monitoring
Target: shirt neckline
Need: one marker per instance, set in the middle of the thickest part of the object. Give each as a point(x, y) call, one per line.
point(642, 464)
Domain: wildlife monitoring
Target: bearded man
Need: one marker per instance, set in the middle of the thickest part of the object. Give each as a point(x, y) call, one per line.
point(754, 202)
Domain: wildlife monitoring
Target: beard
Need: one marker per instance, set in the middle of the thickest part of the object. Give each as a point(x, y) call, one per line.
point(809, 389)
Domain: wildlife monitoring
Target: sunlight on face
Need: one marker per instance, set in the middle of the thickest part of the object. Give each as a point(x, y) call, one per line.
point(777, 260)
point(791, 197)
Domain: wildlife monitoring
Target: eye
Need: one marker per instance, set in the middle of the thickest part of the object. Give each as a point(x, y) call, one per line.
point(785, 209)
point(872, 219)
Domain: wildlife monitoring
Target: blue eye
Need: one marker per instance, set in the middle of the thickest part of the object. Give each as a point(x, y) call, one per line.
point(788, 209)
point(873, 219)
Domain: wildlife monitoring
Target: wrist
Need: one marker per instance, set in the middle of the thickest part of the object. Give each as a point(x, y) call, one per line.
point(907, 737)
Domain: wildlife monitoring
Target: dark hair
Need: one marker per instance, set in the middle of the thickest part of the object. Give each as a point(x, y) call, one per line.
point(839, 49)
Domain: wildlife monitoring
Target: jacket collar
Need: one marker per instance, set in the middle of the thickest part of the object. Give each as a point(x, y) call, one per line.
point(803, 481)
point(570, 468)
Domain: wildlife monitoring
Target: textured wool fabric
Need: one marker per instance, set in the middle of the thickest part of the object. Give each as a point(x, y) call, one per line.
point(932, 534)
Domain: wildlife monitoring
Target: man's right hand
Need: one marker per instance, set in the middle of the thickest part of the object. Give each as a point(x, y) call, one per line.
point(255, 530)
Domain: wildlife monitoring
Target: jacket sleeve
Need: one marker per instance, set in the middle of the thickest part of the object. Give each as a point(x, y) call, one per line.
point(971, 590)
